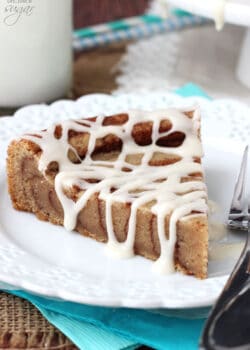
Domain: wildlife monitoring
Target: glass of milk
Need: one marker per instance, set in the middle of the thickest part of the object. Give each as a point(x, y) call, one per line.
point(35, 51)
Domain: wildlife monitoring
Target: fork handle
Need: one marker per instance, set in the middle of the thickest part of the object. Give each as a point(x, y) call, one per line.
point(229, 321)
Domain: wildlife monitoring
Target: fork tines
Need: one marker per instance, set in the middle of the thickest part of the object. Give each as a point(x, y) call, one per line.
point(239, 214)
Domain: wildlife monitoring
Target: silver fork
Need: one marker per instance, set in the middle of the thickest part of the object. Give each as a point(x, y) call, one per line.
point(228, 325)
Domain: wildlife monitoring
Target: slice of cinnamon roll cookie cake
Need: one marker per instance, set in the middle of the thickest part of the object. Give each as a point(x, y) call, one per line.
point(133, 180)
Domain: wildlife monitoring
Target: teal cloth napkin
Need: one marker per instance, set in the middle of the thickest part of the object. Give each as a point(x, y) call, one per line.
point(122, 328)
point(103, 328)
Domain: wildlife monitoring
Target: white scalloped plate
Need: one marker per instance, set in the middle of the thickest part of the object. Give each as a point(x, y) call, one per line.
point(46, 259)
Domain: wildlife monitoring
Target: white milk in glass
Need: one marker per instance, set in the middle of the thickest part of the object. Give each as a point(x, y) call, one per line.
point(35, 51)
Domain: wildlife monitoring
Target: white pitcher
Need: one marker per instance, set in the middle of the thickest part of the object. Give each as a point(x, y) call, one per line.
point(35, 51)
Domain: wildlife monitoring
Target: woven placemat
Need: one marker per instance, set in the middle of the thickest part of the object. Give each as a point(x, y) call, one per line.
point(23, 327)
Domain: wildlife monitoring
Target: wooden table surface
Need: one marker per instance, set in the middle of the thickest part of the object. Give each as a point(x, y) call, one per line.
point(21, 325)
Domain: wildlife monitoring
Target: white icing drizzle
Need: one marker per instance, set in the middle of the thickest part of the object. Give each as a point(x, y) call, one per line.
point(169, 196)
